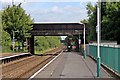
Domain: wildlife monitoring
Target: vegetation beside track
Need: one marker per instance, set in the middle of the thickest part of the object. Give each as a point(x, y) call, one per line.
point(15, 25)
point(45, 43)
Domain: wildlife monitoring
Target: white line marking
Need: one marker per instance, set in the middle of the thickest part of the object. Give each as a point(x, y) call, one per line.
point(44, 67)
point(14, 56)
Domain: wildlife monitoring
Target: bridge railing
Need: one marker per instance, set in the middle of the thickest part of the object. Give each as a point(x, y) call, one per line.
point(109, 53)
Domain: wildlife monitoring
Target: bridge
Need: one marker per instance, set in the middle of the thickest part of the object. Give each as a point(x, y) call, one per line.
point(75, 29)
point(96, 61)
point(61, 64)
point(55, 29)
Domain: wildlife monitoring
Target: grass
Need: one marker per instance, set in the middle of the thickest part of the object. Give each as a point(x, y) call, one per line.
point(41, 52)
point(6, 49)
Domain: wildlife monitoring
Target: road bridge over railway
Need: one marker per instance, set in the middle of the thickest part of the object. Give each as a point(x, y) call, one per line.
point(109, 56)
point(55, 29)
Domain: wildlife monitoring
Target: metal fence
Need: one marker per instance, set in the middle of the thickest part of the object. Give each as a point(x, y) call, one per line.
point(110, 55)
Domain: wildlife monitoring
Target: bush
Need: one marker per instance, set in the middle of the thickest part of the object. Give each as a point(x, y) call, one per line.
point(6, 42)
point(46, 42)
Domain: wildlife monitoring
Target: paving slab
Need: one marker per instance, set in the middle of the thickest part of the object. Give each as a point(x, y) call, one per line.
point(72, 65)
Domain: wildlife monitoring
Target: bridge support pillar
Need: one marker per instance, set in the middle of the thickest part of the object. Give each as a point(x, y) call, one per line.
point(77, 43)
point(32, 45)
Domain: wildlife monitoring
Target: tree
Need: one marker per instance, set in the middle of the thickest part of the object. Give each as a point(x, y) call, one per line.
point(92, 21)
point(41, 43)
point(6, 39)
point(111, 21)
point(0, 29)
point(14, 18)
point(45, 42)
point(84, 21)
point(110, 18)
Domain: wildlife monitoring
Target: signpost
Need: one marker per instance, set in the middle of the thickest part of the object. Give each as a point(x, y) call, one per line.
point(79, 41)
point(13, 41)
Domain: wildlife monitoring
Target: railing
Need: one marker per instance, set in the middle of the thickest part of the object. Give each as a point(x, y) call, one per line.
point(110, 55)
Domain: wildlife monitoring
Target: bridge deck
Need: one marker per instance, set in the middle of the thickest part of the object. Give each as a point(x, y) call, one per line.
point(71, 65)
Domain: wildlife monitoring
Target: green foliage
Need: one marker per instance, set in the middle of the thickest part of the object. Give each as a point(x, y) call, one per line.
point(6, 42)
point(6, 39)
point(111, 21)
point(0, 29)
point(46, 42)
point(110, 18)
point(14, 18)
point(41, 43)
point(92, 14)
point(84, 21)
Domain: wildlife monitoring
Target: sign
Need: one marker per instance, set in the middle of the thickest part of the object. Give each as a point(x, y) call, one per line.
point(25, 43)
point(13, 43)
point(96, 28)
point(79, 41)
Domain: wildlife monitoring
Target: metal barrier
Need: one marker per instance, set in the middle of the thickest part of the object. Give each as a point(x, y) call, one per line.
point(110, 55)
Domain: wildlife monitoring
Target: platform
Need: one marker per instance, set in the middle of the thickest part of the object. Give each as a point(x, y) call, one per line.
point(72, 65)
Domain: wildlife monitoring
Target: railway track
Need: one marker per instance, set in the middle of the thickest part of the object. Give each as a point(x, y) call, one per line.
point(26, 67)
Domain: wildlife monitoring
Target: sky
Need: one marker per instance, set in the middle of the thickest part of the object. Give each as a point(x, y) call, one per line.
point(59, 11)
point(53, 11)
point(56, 12)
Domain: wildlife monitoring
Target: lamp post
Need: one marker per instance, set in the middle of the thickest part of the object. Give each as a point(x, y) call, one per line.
point(98, 37)
point(84, 43)
point(84, 51)
point(79, 42)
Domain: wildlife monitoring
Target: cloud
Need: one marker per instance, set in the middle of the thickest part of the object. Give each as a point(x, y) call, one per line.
point(56, 9)
point(74, 9)
point(67, 13)
point(56, 12)
point(12, 0)
point(51, 0)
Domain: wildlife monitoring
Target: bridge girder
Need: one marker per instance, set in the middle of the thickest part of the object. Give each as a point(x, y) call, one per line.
point(57, 29)
point(54, 29)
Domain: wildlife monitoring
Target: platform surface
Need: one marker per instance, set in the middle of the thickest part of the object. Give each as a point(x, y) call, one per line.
point(72, 65)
